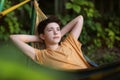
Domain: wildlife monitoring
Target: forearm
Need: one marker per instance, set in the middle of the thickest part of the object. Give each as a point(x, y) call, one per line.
point(25, 38)
point(22, 40)
point(77, 21)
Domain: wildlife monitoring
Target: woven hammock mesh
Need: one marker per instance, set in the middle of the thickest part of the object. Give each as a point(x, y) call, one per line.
point(39, 17)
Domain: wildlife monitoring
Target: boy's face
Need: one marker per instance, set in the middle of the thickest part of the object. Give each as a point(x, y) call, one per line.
point(52, 33)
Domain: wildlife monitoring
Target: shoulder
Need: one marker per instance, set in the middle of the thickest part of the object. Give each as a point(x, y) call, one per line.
point(70, 37)
point(70, 40)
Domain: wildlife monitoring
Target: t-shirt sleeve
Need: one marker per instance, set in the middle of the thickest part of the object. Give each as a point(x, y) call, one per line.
point(38, 55)
point(71, 41)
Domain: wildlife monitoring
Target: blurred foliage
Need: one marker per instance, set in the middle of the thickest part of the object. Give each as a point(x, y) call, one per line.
point(99, 30)
point(87, 9)
point(95, 32)
point(16, 21)
point(20, 72)
point(15, 71)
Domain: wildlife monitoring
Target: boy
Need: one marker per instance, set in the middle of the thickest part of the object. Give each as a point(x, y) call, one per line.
point(65, 55)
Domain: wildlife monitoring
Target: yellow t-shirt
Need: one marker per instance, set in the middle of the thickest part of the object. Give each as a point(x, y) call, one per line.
point(68, 56)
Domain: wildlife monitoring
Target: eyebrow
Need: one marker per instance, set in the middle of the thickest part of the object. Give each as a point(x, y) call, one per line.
point(52, 27)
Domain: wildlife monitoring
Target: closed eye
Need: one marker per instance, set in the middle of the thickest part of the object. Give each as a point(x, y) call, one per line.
point(49, 30)
point(58, 29)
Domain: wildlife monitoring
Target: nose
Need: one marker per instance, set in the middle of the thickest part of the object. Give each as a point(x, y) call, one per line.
point(55, 32)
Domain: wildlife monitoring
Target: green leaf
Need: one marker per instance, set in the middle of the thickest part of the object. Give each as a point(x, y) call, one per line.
point(76, 8)
point(98, 27)
point(68, 5)
point(97, 42)
point(117, 38)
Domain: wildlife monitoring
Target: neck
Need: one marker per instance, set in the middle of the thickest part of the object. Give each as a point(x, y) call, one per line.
point(53, 47)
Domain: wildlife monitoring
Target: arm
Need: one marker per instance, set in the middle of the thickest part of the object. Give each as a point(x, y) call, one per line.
point(22, 40)
point(75, 27)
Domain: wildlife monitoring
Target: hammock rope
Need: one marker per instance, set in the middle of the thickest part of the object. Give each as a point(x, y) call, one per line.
point(3, 13)
point(1, 4)
point(39, 17)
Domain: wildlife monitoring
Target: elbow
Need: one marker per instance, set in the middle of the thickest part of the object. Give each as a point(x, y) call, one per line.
point(80, 18)
point(11, 36)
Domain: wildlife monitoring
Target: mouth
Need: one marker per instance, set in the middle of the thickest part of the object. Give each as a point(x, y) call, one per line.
point(55, 37)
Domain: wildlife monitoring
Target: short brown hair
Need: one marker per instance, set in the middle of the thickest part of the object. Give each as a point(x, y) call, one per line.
point(42, 25)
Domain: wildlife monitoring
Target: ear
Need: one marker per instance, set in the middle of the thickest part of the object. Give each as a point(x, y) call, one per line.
point(42, 36)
